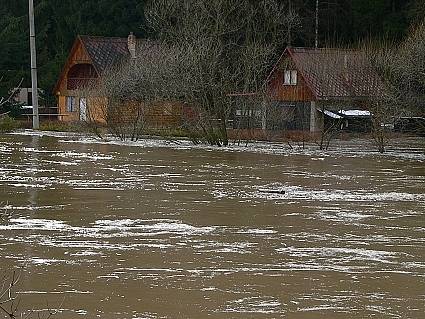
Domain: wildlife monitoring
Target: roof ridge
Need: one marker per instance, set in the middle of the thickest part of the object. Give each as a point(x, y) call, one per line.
point(115, 39)
point(102, 38)
point(324, 49)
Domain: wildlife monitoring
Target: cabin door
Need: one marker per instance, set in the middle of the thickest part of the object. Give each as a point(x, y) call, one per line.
point(83, 109)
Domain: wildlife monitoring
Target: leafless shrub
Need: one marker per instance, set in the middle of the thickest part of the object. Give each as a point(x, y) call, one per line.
point(402, 70)
point(11, 303)
point(328, 133)
point(385, 104)
point(409, 66)
point(7, 99)
point(124, 99)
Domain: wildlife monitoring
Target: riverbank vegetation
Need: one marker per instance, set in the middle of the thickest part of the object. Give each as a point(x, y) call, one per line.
point(402, 70)
point(205, 51)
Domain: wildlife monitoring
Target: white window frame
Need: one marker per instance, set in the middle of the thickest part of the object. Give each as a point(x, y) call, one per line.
point(290, 77)
point(70, 104)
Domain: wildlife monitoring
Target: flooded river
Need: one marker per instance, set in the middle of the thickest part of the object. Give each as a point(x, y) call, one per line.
point(165, 230)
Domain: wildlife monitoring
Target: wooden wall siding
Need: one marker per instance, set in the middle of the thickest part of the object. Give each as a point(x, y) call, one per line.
point(78, 56)
point(297, 93)
point(157, 116)
point(61, 108)
point(164, 115)
point(66, 116)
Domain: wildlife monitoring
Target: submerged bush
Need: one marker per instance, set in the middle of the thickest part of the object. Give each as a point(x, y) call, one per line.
point(8, 124)
point(57, 126)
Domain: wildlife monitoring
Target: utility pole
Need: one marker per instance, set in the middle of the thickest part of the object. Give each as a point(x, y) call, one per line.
point(35, 117)
point(316, 42)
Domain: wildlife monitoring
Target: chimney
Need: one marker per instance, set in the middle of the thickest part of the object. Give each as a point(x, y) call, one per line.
point(131, 42)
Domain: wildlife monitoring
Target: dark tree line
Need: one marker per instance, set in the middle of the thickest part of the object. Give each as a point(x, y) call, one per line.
point(57, 24)
point(341, 22)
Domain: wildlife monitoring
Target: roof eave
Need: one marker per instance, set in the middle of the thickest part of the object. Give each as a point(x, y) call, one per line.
point(90, 57)
point(287, 49)
point(343, 98)
point(304, 76)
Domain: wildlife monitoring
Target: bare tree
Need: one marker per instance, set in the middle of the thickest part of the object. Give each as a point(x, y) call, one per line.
point(383, 102)
point(205, 50)
point(409, 67)
point(402, 71)
point(328, 132)
point(11, 95)
point(228, 47)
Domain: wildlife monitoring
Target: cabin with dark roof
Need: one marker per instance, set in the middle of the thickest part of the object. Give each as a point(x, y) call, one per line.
point(309, 88)
point(89, 59)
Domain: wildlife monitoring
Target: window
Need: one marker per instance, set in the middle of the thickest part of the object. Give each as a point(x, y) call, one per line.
point(294, 77)
point(248, 113)
point(290, 77)
point(70, 104)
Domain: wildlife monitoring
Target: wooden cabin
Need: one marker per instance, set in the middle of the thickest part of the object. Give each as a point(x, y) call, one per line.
point(307, 86)
point(91, 58)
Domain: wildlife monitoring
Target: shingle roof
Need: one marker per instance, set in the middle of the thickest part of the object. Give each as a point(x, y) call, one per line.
point(105, 52)
point(337, 73)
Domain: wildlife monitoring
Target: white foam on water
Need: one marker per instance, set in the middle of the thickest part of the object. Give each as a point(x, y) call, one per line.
point(260, 305)
point(32, 185)
point(61, 163)
point(47, 262)
point(324, 307)
point(39, 292)
point(86, 156)
point(84, 253)
point(336, 195)
point(257, 231)
point(35, 150)
point(13, 208)
point(343, 216)
point(254, 147)
point(152, 226)
point(342, 254)
point(35, 224)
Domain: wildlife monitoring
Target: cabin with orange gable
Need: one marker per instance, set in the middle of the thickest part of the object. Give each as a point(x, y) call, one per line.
point(89, 59)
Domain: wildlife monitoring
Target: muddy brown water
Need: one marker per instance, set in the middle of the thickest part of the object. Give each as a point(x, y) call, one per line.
point(161, 229)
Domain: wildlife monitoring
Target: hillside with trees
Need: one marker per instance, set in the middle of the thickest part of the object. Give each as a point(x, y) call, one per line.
point(342, 23)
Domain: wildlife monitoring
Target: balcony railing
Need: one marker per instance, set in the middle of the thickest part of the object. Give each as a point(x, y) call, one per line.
point(79, 83)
